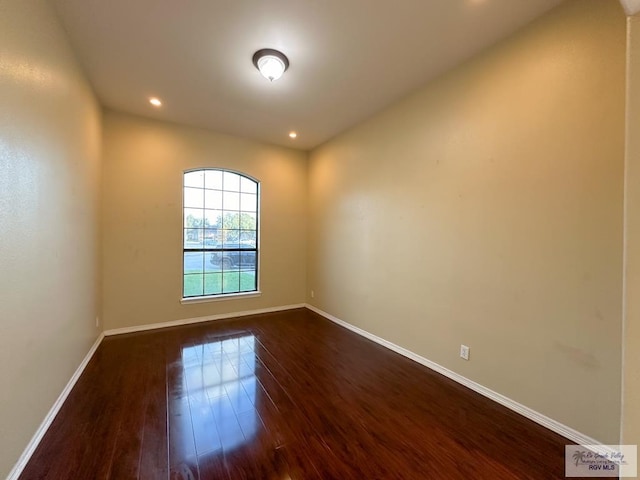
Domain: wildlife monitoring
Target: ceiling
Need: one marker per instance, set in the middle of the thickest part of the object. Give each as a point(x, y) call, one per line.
point(631, 7)
point(349, 58)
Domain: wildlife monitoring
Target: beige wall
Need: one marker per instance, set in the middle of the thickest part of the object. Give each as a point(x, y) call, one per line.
point(142, 219)
point(486, 209)
point(631, 396)
point(49, 178)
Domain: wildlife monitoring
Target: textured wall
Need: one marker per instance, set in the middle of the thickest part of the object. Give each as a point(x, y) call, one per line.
point(142, 222)
point(486, 209)
point(49, 179)
point(631, 398)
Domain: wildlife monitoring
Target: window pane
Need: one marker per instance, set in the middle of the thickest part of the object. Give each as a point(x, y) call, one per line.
point(211, 237)
point(231, 181)
point(194, 179)
point(213, 199)
point(193, 238)
point(192, 285)
point(248, 202)
point(231, 220)
point(193, 217)
point(213, 218)
point(213, 179)
point(231, 238)
point(193, 262)
point(213, 261)
point(247, 239)
point(248, 186)
point(247, 260)
point(248, 281)
point(231, 282)
point(193, 197)
point(231, 201)
point(248, 221)
point(216, 260)
point(212, 283)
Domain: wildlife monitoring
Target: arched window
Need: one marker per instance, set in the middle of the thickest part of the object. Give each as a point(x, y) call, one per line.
point(220, 233)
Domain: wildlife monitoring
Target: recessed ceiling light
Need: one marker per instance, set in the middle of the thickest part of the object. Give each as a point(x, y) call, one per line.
point(155, 102)
point(293, 134)
point(271, 63)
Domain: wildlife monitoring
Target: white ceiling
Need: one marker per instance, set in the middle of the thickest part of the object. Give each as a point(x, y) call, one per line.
point(349, 58)
point(631, 7)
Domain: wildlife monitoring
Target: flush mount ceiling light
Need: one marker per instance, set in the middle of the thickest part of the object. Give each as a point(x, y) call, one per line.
point(271, 63)
point(155, 102)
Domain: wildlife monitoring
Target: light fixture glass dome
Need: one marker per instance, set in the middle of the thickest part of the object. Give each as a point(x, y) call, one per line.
point(271, 67)
point(271, 63)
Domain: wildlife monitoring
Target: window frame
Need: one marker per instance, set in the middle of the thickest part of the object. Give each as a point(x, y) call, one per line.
point(208, 250)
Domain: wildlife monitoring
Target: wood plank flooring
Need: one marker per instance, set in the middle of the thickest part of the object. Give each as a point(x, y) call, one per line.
point(280, 396)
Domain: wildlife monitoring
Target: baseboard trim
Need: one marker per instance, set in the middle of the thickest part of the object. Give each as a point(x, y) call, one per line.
point(51, 415)
point(523, 410)
point(208, 318)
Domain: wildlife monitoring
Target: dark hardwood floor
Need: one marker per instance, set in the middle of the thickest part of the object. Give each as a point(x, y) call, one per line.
point(280, 396)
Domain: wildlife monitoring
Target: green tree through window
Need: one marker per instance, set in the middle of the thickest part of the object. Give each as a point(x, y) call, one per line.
point(220, 233)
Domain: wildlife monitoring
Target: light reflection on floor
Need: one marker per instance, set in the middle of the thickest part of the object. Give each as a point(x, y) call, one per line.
point(220, 384)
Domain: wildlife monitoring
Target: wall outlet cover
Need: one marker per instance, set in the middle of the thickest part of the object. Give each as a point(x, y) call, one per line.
point(464, 352)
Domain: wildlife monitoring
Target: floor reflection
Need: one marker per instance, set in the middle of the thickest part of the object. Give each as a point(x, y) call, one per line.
point(219, 396)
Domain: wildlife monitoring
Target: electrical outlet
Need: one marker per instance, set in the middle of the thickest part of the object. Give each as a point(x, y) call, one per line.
point(464, 352)
point(312, 294)
point(97, 321)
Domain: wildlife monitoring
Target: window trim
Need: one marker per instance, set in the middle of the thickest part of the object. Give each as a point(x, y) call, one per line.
point(221, 297)
point(224, 296)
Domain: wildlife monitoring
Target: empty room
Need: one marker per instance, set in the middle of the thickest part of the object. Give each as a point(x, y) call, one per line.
point(337, 239)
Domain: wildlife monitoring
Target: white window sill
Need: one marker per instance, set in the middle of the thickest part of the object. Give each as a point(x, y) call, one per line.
point(219, 298)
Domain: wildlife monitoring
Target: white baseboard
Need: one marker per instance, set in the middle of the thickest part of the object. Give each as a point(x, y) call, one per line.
point(48, 420)
point(208, 318)
point(523, 410)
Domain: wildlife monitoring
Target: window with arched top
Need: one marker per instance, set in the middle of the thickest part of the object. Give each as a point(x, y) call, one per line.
point(220, 233)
